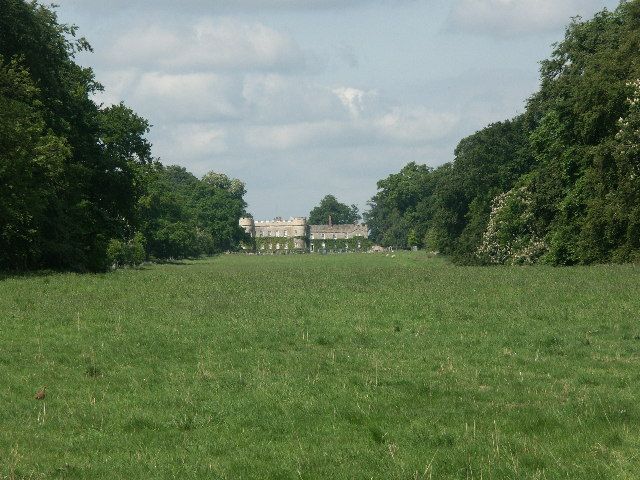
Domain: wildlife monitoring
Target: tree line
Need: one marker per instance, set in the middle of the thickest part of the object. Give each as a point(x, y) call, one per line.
point(559, 184)
point(79, 187)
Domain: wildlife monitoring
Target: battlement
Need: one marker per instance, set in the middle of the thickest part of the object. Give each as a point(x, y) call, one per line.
point(278, 221)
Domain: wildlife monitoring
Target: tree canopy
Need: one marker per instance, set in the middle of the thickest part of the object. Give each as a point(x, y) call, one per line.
point(340, 213)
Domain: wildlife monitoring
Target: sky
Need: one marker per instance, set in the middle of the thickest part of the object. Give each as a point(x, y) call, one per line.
point(304, 98)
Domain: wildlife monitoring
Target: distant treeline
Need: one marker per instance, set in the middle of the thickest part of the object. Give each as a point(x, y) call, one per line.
point(558, 184)
point(79, 188)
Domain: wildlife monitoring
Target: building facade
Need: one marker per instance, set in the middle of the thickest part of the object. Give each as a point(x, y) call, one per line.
point(337, 232)
point(296, 234)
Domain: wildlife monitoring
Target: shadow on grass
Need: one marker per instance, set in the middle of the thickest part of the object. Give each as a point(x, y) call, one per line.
point(179, 261)
point(9, 275)
point(18, 274)
point(170, 262)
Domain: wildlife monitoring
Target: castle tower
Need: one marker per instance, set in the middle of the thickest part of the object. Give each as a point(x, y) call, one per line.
point(248, 225)
point(300, 232)
point(299, 225)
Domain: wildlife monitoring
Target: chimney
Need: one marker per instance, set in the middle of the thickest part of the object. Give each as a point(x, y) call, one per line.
point(330, 222)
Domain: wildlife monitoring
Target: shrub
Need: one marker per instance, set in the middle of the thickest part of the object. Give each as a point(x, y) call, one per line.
point(136, 247)
point(511, 236)
point(115, 252)
point(130, 253)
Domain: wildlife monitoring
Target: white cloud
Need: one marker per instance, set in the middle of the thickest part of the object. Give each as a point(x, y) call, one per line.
point(294, 136)
point(193, 140)
point(400, 125)
point(512, 17)
point(222, 44)
point(116, 83)
point(354, 99)
point(171, 97)
point(415, 124)
point(194, 96)
point(252, 113)
point(277, 98)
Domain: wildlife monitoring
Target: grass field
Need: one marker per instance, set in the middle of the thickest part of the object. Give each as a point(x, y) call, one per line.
point(354, 366)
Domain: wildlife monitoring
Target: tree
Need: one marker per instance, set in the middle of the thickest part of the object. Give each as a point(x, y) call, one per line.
point(183, 216)
point(219, 205)
point(82, 188)
point(31, 168)
point(412, 238)
point(578, 187)
point(404, 202)
point(340, 213)
point(486, 164)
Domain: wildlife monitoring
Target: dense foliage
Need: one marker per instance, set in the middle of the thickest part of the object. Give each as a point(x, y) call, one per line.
point(340, 213)
point(558, 184)
point(183, 216)
point(77, 180)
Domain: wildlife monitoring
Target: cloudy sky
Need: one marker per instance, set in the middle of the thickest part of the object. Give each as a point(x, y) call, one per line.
point(301, 98)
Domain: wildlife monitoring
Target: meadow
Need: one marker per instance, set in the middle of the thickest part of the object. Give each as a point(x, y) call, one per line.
point(346, 366)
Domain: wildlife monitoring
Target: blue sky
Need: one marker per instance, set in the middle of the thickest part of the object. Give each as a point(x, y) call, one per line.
point(301, 98)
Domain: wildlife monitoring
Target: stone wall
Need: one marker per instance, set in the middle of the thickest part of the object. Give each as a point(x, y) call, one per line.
point(272, 244)
point(337, 232)
point(278, 228)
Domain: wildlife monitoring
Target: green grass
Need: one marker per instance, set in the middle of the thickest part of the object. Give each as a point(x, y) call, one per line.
point(353, 366)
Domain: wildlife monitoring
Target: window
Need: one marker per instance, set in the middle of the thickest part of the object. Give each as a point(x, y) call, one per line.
point(311, 236)
point(286, 233)
point(335, 237)
point(323, 237)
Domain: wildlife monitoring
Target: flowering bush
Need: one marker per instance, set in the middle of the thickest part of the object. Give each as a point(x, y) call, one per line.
point(628, 137)
point(510, 236)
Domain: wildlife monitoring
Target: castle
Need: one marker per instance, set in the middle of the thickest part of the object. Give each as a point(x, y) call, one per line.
point(297, 235)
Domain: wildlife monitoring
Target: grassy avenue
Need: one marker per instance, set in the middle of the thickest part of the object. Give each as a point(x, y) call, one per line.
point(352, 366)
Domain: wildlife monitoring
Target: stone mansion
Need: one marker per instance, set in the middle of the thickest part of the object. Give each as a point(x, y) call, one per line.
point(296, 234)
